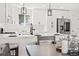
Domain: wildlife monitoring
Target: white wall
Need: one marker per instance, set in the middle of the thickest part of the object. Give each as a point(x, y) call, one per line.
point(75, 23)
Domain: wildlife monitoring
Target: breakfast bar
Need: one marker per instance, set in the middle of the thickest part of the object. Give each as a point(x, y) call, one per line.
point(21, 41)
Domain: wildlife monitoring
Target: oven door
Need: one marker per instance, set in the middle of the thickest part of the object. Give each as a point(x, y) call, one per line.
point(67, 27)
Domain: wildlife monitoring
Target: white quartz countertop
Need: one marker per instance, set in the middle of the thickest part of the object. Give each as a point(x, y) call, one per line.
point(14, 35)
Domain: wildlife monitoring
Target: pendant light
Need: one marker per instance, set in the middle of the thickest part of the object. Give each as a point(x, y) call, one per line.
point(49, 11)
point(23, 9)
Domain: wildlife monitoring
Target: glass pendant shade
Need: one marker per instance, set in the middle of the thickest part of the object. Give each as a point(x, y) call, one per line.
point(49, 12)
point(23, 10)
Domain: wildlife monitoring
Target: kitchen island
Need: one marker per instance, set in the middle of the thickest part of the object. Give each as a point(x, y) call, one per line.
point(20, 40)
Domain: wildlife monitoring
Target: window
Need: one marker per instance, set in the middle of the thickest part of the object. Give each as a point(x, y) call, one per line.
point(23, 18)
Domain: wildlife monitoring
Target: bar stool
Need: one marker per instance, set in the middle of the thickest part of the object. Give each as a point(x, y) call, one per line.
point(9, 49)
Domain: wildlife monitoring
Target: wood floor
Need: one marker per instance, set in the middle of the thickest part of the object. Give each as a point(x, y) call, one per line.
point(42, 50)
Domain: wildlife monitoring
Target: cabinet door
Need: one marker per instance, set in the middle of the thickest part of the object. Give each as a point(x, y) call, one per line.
point(67, 27)
point(2, 13)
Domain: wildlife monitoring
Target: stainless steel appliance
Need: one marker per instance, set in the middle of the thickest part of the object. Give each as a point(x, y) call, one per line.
point(63, 25)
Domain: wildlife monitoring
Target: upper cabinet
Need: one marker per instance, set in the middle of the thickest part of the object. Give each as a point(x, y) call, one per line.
point(9, 13)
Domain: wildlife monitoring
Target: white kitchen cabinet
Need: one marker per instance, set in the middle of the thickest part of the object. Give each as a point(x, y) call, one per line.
point(2, 13)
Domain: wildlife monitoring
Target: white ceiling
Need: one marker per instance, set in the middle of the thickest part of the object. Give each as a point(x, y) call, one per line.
point(67, 6)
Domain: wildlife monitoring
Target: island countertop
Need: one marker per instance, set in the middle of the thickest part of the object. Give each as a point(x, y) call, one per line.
point(21, 40)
